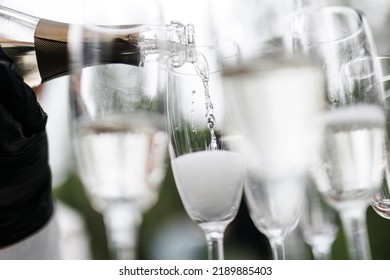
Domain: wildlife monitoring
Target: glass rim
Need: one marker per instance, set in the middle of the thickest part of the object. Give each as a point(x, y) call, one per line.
point(346, 11)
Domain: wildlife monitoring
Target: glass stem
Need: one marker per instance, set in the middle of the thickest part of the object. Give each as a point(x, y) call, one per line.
point(122, 222)
point(214, 233)
point(215, 246)
point(355, 228)
point(278, 247)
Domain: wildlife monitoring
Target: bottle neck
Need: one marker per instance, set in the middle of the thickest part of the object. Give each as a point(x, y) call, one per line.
point(51, 47)
point(16, 26)
point(49, 40)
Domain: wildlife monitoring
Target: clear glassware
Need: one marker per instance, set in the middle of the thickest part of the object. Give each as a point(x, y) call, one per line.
point(17, 40)
point(208, 176)
point(277, 167)
point(274, 207)
point(381, 202)
point(318, 223)
point(117, 103)
point(352, 158)
point(274, 98)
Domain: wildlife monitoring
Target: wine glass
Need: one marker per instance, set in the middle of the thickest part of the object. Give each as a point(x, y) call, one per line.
point(274, 108)
point(117, 115)
point(352, 158)
point(273, 98)
point(381, 202)
point(318, 222)
point(274, 208)
point(208, 176)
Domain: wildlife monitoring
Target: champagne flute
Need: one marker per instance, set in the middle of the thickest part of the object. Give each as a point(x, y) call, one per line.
point(117, 116)
point(261, 97)
point(354, 122)
point(274, 207)
point(274, 98)
point(381, 202)
point(208, 176)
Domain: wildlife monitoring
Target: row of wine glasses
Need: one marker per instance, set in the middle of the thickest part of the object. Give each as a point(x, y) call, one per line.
point(352, 159)
point(348, 169)
point(286, 110)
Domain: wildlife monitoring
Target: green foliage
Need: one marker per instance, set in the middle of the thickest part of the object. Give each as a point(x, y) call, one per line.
point(242, 240)
point(72, 194)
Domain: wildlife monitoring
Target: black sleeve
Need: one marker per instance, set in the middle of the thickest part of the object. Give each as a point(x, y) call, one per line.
point(25, 177)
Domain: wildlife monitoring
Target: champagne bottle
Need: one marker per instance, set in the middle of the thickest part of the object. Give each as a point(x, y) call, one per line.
point(39, 47)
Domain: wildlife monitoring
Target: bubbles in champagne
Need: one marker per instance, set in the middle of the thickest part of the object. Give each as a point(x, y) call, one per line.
point(199, 61)
point(193, 128)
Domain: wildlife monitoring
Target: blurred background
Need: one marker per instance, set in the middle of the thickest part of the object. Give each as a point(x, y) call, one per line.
point(167, 232)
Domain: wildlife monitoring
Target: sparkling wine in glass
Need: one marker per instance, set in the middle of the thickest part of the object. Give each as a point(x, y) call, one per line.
point(208, 176)
point(274, 207)
point(274, 101)
point(117, 115)
point(275, 107)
